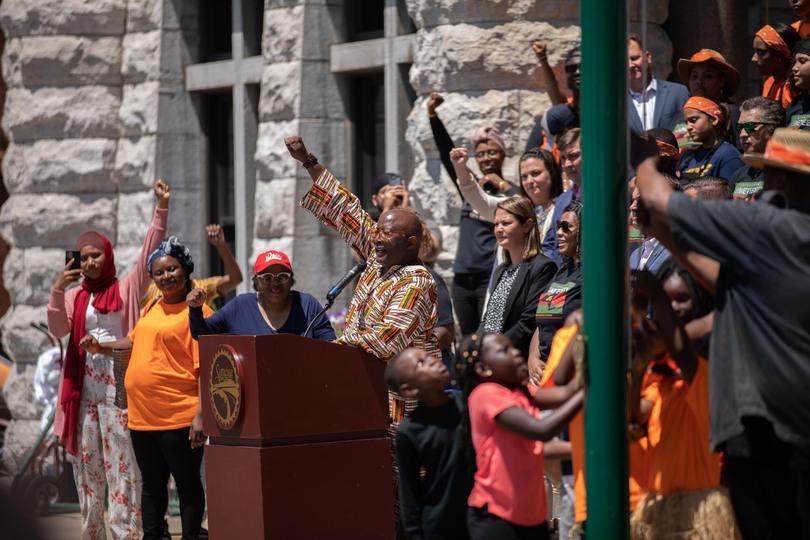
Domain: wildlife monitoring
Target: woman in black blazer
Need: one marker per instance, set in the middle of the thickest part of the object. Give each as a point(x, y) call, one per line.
point(522, 276)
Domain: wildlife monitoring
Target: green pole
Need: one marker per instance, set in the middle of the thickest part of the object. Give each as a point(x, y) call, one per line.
point(604, 237)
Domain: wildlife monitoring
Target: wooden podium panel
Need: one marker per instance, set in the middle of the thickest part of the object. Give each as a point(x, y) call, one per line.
point(298, 446)
point(299, 390)
point(324, 490)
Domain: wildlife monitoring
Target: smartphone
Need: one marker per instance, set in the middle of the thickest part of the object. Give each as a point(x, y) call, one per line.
point(77, 259)
point(395, 180)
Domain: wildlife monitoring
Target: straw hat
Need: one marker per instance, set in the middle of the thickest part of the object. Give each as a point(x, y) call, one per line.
point(716, 60)
point(788, 149)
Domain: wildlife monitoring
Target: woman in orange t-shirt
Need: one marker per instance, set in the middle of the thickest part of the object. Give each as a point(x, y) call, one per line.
point(162, 385)
point(683, 488)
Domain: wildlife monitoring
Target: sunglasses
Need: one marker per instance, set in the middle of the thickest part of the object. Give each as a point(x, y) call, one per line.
point(266, 279)
point(571, 69)
point(749, 127)
point(566, 226)
point(383, 235)
point(489, 153)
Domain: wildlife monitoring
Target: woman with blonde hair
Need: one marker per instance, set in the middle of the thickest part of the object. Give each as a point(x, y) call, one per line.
point(518, 281)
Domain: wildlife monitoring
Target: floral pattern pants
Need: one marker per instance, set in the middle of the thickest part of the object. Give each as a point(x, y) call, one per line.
point(106, 462)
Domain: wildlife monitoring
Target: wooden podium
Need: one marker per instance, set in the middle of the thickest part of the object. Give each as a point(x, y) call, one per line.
point(297, 439)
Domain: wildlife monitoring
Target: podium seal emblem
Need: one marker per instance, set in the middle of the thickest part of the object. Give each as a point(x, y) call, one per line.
point(225, 387)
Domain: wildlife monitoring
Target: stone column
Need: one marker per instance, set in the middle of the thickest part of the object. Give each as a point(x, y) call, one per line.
point(300, 95)
point(96, 110)
point(62, 64)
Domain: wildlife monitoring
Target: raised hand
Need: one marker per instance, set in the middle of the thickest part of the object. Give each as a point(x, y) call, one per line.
point(67, 277)
point(215, 235)
point(295, 146)
point(162, 194)
point(540, 48)
point(459, 157)
point(196, 298)
point(434, 101)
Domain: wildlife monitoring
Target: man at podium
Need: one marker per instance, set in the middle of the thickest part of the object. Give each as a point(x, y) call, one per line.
point(394, 304)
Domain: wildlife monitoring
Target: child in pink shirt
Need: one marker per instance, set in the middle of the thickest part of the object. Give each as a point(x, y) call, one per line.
point(508, 498)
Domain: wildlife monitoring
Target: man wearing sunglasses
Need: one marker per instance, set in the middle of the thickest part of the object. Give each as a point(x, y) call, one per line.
point(759, 117)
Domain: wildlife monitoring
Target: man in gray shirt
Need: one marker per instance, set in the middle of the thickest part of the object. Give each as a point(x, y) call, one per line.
point(760, 351)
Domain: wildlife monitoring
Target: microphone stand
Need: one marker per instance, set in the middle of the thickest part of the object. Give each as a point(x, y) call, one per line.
point(329, 303)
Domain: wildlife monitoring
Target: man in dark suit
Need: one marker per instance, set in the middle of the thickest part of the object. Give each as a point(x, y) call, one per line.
point(652, 102)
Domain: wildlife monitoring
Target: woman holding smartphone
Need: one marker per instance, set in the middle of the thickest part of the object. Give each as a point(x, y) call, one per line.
point(92, 429)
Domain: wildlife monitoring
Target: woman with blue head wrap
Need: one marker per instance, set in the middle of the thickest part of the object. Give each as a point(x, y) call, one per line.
point(162, 381)
point(173, 248)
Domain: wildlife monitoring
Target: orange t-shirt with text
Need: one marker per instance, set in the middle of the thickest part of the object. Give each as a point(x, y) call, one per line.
point(163, 373)
point(678, 432)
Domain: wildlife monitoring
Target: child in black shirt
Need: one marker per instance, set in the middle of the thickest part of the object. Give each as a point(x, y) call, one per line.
point(433, 471)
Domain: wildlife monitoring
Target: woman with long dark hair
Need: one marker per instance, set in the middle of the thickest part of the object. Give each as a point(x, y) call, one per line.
point(797, 114)
point(773, 49)
point(563, 294)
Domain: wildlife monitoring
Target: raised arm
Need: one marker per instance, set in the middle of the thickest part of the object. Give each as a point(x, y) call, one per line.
point(233, 274)
point(519, 421)
point(547, 74)
point(138, 279)
point(444, 143)
point(334, 205)
point(481, 201)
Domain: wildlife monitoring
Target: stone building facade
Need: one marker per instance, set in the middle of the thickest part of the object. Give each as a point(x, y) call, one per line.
point(105, 96)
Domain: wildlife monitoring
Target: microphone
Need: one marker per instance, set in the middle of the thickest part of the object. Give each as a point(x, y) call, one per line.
point(335, 291)
point(340, 285)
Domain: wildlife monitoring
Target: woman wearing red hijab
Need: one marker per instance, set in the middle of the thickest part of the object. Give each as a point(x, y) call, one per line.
point(90, 426)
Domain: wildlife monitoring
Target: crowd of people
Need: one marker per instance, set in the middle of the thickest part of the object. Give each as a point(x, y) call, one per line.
point(488, 377)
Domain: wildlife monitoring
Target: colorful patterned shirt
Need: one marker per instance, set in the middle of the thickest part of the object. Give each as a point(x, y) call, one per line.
point(390, 311)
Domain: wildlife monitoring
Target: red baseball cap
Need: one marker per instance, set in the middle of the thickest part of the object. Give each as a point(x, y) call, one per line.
point(269, 258)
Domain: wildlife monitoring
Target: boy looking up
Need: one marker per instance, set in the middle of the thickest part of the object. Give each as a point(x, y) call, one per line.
point(433, 472)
